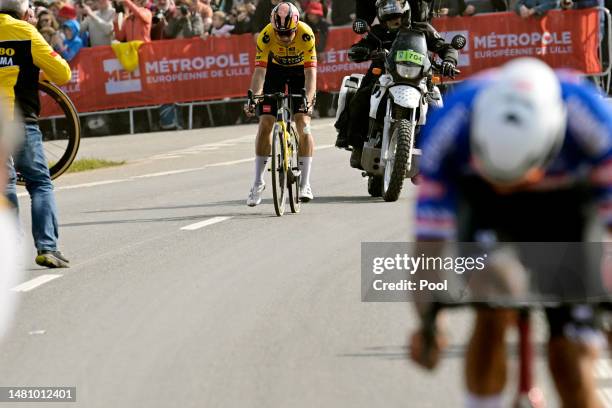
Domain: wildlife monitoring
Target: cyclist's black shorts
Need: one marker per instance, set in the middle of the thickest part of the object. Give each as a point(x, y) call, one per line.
point(558, 216)
point(276, 79)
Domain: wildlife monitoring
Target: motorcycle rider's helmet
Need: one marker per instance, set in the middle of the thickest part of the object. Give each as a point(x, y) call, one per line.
point(285, 18)
point(518, 123)
point(390, 9)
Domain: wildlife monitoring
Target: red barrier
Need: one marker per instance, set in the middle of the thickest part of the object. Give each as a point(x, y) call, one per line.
point(200, 70)
point(564, 39)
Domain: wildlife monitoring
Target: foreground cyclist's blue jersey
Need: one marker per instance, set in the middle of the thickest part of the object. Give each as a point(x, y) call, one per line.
point(445, 140)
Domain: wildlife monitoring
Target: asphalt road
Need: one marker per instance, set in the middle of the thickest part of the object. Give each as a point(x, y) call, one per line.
point(250, 311)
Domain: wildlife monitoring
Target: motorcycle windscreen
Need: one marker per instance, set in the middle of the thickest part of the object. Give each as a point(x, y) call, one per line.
point(409, 48)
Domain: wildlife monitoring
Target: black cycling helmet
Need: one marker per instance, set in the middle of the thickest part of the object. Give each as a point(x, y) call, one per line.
point(390, 9)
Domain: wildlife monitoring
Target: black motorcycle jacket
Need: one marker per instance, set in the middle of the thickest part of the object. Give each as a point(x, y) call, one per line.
point(435, 43)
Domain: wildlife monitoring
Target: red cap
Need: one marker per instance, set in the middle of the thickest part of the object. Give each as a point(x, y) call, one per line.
point(315, 8)
point(67, 12)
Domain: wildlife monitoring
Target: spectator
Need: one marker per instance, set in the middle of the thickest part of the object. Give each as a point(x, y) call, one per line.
point(220, 28)
point(206, 12)
point(241, 18)
point(306, 3)
point(473, 7)
point(188, 22)
point(137, 25)
point(69, 44)
point(47, 25)
point(262, 14)
point(320, 27)
point(67, 12)
point(528, 8)
point(450, 8)
point(164, 13)
point(579, 4)
point(343, 11)
point(55, 8)
point(99, 23)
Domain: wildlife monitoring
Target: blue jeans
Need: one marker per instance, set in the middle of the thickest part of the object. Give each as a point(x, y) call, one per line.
point(31, 163)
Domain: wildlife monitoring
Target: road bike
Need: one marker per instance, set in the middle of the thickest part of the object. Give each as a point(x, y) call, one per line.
point(285, 152)
point(60, 127)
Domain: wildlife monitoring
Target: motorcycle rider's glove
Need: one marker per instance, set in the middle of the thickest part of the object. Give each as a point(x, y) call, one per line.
point(448, 69)
point(358, 53)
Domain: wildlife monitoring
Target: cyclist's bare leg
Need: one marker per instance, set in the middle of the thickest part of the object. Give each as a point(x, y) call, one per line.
point(263, 146)
point(485, 363)
point(263, 143)
point(302, 122)
point(572, 365)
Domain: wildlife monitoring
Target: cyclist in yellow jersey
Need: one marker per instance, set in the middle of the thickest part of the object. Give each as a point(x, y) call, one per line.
point(23, 54)
point(286, 55)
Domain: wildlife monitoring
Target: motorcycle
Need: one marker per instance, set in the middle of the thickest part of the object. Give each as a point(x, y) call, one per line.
point(404, 93)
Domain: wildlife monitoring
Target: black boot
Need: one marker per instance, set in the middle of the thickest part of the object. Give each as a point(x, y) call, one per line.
point(356, 158)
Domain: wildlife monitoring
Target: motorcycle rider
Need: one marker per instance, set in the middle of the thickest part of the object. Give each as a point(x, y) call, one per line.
point(393, 15)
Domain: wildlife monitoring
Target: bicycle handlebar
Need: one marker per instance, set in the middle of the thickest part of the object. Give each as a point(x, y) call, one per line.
point(277, 96)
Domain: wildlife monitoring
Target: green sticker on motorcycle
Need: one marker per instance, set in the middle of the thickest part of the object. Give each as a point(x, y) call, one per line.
point(409, 56)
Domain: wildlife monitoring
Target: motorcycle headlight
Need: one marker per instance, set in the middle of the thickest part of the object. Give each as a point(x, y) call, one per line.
point(408, 71)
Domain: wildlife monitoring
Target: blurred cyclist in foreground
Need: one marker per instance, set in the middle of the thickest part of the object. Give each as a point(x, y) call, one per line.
point(504, 159)
point(10, 248)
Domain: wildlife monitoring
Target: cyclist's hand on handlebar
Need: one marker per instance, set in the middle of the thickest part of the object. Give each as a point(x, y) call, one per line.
point(249, 109)
point(448, 69)
point(424, 352)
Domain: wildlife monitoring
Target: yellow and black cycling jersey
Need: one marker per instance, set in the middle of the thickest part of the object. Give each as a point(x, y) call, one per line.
point(300, 52)
point(23, 53)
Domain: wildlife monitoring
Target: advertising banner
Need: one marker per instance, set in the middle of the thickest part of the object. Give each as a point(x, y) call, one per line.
point(217, 68)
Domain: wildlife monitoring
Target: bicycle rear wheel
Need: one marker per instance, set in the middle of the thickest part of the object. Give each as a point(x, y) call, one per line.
point(293, 181)
point(61, 133)
point(279, 173)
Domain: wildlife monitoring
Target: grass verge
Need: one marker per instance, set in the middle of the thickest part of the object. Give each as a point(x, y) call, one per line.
point(87, 164)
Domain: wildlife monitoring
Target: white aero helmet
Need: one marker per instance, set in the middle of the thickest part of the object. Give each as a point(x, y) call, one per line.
point(518, 123)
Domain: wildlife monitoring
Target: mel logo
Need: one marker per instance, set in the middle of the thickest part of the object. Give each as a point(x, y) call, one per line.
point(119, 80)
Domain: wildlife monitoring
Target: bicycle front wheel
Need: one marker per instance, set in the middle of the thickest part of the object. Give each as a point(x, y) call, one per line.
point(279, 171)
point(61, 129)
point(293, 181)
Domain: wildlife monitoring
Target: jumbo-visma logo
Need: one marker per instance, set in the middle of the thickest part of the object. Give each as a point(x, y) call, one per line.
point(119, 80)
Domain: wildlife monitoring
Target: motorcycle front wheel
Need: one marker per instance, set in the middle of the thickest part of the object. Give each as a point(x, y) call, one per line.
point(398, 159)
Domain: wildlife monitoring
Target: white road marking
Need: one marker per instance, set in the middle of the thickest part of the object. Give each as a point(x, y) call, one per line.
point(94, 184)
point(205, 223)
point(229, 163)
point(167, 173)
point(34, 283)
point(36, 332)
point(323, 147)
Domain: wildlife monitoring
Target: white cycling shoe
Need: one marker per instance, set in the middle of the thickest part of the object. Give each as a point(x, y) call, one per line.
point(306, 193)
point(255, 195)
